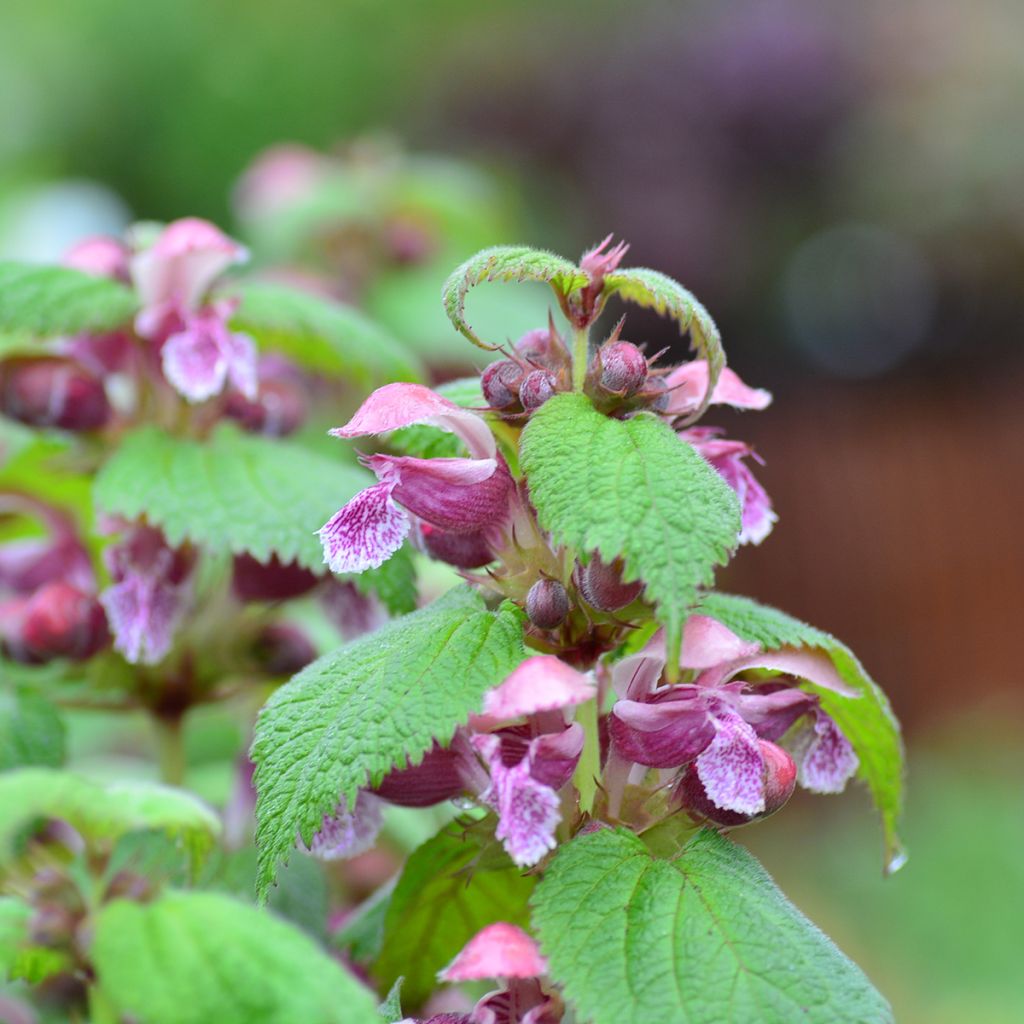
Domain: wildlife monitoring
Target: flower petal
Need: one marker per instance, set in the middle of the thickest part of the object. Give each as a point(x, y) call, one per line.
point(732, 768)
point(500, 950)
point(663, 733)
point(143, 615)
point(346, 833)
point(194, 364)
point(825, 758)
point(636, 675)
point(812, 664)
point(240, 355)
point(541, 683)
point(366, 532)
point(687, 384)
point(401, 405)
point(707, 643)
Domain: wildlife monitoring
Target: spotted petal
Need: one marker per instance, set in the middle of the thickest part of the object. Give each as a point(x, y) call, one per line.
point(825, 759)
point(366, 532)
point(346, 833)
point(732, 768)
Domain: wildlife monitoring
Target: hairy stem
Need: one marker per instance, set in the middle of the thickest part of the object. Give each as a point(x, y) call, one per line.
point(580, 356)
point(171, 750)
point(588, 769)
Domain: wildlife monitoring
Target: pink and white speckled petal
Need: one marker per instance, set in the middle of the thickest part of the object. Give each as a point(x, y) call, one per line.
point(500, 950)
point(345, 834)
point(366, 532)
point(143, 614)
point(690, 381)
point(194, 363)
point(731, 769)
point(240, 353)
point(401, 405)
point(826, 761)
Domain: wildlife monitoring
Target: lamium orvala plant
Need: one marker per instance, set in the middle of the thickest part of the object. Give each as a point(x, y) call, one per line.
point(528, 777)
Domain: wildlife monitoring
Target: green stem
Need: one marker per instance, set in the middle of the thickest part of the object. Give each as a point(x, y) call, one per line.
point(588, 769)
point(580, 356)
point(171, 748)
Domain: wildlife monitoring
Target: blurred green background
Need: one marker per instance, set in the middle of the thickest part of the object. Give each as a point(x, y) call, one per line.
point(841, 184)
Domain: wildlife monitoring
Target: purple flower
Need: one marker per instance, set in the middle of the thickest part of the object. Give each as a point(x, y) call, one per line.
point(348, 833)
point(204, 355)
point(727, 457)
point(688, 383)
point(459, 495)
point(718, 723)
point(146, 602)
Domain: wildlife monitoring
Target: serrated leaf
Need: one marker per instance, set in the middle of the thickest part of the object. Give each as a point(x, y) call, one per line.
point(505, 263)
point(393, 583)
point(657, 291)
point(441, 901)
point(195, 958)
point(706, 938)
point(103, 813)
point(868, 723)
point(49, 301)
point(370, 706)
point(31, 730)
point(321, 334)
point(234, 492)
point(391, 1008)
point(631, 488)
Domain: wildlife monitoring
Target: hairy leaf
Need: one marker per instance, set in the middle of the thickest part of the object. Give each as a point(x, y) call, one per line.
point(657, 291)
point(31, 730)
point(370, 706)
point(505, 263)
point(706, 938)
point(868, 723)
point(442, 900)
point(234, 492)
point(631, 488)
point(393, 583)
point(47, 301)
point(321, 334)
point(103, 813)
point(195, 958)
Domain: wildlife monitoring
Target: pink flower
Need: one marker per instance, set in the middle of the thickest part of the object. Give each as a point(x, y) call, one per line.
point(687, 384)
point(147, 600)
point(278, 178)
point(727, 457)
point(459, 495)
point(101, 256)
point(175, 273)
point(718, 723)
point(204, 355)
point(348, 833)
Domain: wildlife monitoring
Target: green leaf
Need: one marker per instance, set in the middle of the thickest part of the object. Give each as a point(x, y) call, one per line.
point(391, 1008)
point(868, 723)
point(362, 934)
point(657, 291)
point(15, 919)
point(370, 706)
point(31, 730)
point(631, 488)
point(47, 301)
point(321, 334)
point(103, 813)
point(234, 492)
point(393, 583)
point(443, 898)
point(505, 263)
point(195, 958)
point(706, 938)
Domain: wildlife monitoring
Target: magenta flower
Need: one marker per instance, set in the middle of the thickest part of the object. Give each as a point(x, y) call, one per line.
point(101, 256)
point(717, 722)
point(149, 594)
point(174, 274)
point(204, 355)
point(727, 457)
point(458, 495)
point(688, 383)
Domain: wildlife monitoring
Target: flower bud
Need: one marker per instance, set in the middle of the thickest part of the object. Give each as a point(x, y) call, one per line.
point(278, 409)
point(283, 649)
point(537, 387)
point(547, 604)
point(463, 550)
point(500, 384)
point(601, 586)
point(61, 621)
point(270, 581)
point(48, 391)
point(779, 783)
point(623, 368)
point(542, 347)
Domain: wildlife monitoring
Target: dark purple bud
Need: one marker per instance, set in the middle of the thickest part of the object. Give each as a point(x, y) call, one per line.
point(500, 383)
point(601, 586)
point(543, 347)
point(278, 409)
point(48, 391)
point(547, 604)
point(61, 621)
point(623, 368)
point(779, 783)
point(283, 649)
point(270, 581)
point(537, 387)
point(463, 550)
